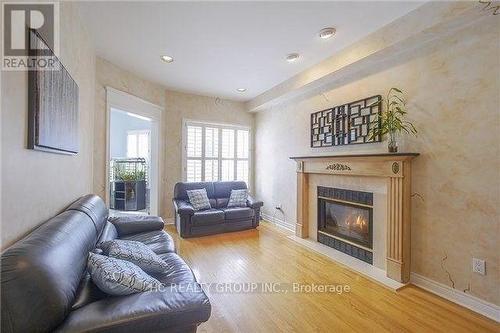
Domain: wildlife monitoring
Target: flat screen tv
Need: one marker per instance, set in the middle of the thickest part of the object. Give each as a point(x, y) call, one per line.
point(53, 103)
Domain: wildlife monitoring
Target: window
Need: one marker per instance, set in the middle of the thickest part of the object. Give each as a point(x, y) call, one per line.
point(138, 144)
point(216, 152)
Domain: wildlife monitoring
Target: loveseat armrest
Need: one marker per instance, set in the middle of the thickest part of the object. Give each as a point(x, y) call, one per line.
point(183, 207)
point(252, 203)
point(173, 309)
point(126, 225)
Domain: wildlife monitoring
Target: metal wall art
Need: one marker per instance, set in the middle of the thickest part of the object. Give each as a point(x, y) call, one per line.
point(346, 124)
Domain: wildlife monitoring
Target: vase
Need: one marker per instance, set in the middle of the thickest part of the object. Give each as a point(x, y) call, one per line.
point(393, 143)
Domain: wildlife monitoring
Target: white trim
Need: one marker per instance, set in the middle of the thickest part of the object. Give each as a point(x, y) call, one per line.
point(374, 273)
point(473, 303)
point(280, 223)
point(129, 103)
point(203, 124)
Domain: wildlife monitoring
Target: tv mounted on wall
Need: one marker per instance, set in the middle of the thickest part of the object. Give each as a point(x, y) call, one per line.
point(52, 103)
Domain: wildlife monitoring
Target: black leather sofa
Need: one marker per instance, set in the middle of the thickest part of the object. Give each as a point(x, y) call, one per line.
point(219, 218)
point(45, 286)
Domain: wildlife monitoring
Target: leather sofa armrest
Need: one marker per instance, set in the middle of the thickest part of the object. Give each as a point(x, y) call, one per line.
point(183, 207)
point(172, 309)
point(252, 203)
point(126, 225)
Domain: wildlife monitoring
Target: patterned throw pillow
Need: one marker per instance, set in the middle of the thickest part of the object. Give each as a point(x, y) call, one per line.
point(136, 252)
point(238, 198)
point(199, 199)
point(119, 277)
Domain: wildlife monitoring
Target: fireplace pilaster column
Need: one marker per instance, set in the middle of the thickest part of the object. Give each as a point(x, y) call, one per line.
point(302, 225)
point(398, 225)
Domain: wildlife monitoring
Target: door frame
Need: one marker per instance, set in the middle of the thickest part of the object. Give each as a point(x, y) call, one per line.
point(123, 101)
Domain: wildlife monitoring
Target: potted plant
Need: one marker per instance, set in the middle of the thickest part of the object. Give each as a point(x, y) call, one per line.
point(392, 120)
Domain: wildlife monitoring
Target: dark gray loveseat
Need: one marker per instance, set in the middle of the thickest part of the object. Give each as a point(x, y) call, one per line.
point(219, 218)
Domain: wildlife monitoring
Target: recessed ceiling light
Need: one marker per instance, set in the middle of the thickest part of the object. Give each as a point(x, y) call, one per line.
point(241, 89)
point(327, 33)
point(167, 59)
point(292, 57)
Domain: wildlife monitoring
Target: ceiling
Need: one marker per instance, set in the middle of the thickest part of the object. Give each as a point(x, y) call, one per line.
point(221, 46)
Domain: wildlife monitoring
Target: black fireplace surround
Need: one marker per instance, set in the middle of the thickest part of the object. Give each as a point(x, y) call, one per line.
point(345, 221)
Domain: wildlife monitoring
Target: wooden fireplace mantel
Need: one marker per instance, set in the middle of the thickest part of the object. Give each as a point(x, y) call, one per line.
point(396, 168)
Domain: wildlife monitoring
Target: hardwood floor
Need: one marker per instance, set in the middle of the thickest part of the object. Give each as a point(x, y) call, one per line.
point(266, 255)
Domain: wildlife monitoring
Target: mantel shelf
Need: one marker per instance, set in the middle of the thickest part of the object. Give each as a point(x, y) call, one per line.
point(355, 155)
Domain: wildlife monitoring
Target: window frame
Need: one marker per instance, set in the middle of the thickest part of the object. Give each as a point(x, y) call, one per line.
point(220, 126)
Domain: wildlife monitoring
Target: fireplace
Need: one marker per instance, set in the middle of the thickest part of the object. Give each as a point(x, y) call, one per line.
point(345, 221)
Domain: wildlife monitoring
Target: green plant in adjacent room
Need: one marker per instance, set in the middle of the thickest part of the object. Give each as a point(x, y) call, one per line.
point(129, 175)
point(392, 119)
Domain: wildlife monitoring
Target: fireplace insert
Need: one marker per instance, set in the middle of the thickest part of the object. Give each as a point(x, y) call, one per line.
point(345, 221)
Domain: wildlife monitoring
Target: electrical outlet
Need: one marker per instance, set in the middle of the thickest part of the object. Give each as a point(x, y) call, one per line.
point(479, 266)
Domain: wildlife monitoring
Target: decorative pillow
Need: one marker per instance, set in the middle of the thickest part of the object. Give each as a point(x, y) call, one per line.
point(119, 277)
point(199, 199)
point(238, 198)
point(136, 252)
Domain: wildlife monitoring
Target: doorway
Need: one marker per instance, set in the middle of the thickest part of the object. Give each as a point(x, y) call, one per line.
point(132, 163)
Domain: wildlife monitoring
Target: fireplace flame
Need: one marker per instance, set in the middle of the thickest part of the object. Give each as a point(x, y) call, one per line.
point(358, 224)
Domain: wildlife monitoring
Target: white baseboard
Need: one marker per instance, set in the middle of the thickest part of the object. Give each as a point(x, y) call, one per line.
point(280, 223)
point(473, 303)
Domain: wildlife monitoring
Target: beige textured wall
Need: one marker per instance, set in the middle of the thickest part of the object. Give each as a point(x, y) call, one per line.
point(177, 106)
point(38, 185)
point(181, 106)
point(453, 89)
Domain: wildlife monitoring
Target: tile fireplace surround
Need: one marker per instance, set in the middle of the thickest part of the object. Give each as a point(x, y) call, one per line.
point(393, 170)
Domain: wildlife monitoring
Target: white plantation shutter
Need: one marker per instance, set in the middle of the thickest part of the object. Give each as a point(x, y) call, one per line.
point(194, 141)
point(211, 170)
point(227, 170)
point(194, 154)
point(227, 143)
point(216, 152)
point(211, 142)
point(193, 170)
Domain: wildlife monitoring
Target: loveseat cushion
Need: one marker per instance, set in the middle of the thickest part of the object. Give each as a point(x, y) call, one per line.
point(164, 311)
point(178, 272)
point(95, 208)
point(223, 189)
point(180, 189)
point(126, 225)
point(158, 241)
point(208, 217)
point(109, 232)
point(222, 202)
point(238, 213)
point(87, 293)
